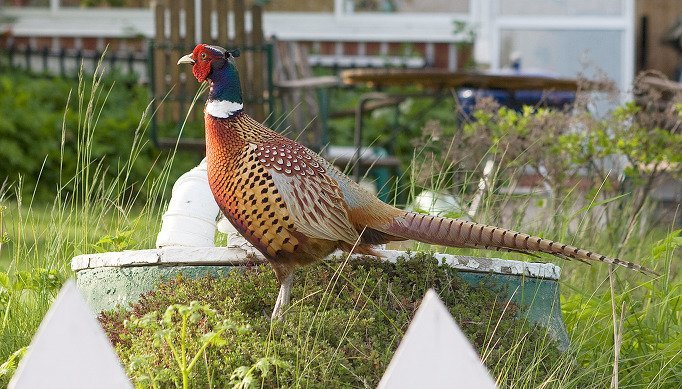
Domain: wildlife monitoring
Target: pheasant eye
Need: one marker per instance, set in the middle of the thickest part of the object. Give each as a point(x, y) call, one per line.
point(203, 55)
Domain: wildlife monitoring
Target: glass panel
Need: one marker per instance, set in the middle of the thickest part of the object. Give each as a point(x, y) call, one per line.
point(564, 52)
point(407, 6)
point(561, 7)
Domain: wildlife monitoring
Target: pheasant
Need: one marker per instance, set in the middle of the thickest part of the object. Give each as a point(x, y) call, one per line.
point(296, 208)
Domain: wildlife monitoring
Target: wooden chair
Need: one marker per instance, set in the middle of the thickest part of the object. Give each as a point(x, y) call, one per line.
point(223, 23)
point(304, 111)
point(303, 97)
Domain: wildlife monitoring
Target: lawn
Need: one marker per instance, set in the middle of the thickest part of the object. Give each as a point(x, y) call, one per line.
point(88, 209)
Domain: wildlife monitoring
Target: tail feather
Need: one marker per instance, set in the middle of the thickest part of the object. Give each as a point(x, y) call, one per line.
point(461, 233)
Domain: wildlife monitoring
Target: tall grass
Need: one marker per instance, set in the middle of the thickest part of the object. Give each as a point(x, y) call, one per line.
point(89, 213)
point(645, 313)
point(101, 214)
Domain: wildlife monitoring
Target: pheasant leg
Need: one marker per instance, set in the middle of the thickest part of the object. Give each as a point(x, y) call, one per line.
point(284, 297)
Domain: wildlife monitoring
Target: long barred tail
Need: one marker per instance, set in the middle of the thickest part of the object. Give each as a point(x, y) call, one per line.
point(460, 233)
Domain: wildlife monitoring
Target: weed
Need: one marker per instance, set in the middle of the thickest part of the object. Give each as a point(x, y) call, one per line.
point(170, 331)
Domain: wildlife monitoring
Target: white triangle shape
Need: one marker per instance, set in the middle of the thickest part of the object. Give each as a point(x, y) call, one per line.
point(435, 353)
point(70, 350)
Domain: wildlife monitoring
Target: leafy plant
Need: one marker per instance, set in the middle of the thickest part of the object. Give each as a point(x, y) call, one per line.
point(121, 240)
point(465, 31)
point(171, 332)
point(8, 367)
point(37, 281)
point(4, 237)
point(244, 377)
point(14, 291)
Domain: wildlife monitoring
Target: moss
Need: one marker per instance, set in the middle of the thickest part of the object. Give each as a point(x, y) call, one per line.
point(344, 324)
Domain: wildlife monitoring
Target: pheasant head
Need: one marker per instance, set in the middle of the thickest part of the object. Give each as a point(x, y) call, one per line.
point(214, 65)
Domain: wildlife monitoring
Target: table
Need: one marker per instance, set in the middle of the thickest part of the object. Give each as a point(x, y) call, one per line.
point(433, 83)
point(441, 79)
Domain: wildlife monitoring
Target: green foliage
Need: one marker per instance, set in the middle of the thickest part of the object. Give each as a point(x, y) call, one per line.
point(171, 332)
point(101, 3)
point(465, 32)
point(342, 328)
point(4, 237)
point(667, 245)
point(540, 138)
point(245, 377)
point(8, 367)
point(100, 187)
point(24, 291)
point(564, 147)
point(651, 347)
point(121, 240)
point(26, 284)
point(577, 156)
point(52, 127)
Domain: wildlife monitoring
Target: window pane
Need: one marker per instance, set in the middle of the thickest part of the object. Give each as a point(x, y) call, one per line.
point(564, 52)
point(561, 7)
point(397, 6)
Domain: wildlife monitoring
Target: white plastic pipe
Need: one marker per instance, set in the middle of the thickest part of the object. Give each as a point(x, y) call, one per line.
point(190, 219)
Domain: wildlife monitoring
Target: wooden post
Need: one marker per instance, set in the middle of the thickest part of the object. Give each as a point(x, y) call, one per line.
point(190, 23)
point(257, 63)
point(159, 54)
point(241, 40)
point(206, 20)
point(239, 24)
point(189, 86)
point(223, 15)
point(176, 94)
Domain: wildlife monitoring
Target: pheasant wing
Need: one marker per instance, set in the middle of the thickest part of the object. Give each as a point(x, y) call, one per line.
point(313, 199)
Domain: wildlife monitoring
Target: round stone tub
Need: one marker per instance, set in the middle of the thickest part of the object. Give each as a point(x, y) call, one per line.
point(118, 278)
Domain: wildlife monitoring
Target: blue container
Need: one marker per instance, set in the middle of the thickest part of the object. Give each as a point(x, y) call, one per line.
point(514, 99)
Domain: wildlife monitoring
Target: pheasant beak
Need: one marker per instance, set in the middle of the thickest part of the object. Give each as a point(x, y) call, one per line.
point(186, 59)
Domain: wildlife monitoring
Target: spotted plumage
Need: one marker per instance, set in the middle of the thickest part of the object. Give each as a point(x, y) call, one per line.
point(296, 208)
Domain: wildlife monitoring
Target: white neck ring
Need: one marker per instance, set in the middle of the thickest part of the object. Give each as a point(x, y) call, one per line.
point(223, 108)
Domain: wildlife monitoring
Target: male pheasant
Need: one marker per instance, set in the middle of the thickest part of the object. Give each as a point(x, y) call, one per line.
point(296, 208)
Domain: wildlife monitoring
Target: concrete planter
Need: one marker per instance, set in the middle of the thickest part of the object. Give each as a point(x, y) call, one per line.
point(118, 278)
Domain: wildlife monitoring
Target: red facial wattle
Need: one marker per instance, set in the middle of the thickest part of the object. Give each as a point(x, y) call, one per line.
point(201, 70)
point(202, 67)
